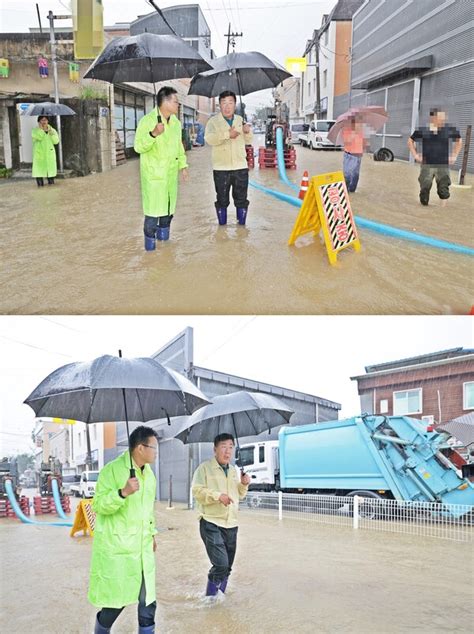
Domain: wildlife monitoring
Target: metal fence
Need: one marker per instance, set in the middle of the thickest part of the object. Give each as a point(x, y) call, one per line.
point(425, 519)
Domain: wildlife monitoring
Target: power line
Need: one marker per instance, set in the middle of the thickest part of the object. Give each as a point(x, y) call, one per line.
point(233, 334)
point(215, 24)
point(30, 345)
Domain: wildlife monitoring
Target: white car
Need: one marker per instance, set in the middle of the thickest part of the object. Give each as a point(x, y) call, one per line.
point(317, 136)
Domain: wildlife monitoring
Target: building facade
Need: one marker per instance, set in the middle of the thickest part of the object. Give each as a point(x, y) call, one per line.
point(409, 57)
point(435, 388)
point(330, 48)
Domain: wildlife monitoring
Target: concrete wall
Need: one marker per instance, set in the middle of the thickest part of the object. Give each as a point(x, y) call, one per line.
point(87, 145)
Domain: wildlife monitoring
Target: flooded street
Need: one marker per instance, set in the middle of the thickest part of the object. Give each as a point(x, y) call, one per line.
point(77, 248)
point(291, 576)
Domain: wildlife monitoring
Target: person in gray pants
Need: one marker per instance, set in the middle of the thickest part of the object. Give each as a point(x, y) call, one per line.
point(436, 154)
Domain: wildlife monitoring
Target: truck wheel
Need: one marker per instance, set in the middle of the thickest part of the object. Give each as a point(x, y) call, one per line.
point(368, 508)
point(254, 502)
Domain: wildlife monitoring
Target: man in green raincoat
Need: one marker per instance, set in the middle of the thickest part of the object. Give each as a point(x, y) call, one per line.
point(123, 561)
point(158, 140)
point(44, 138)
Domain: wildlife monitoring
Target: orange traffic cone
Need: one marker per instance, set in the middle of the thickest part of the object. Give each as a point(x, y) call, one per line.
point(304, 185)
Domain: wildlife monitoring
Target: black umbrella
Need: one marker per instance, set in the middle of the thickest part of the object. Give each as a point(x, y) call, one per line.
point(112, 389)
point(241, 73)
point(238, 413)
point(146, 57)
point(48, 109)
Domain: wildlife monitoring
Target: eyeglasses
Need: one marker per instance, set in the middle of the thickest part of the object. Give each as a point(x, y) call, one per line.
point(155, 447)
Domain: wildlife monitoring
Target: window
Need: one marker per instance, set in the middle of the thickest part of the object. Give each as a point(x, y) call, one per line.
point(261, 454)
point(407, 402)
point(95, 431)
point(309, 88)
point(325, 79)
point(468, 395)
point(384, 406)
point(324, 126)
point(245, 456)
point(79, 438)
point(326, 37)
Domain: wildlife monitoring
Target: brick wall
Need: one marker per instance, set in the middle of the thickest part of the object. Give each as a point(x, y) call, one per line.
point(448, 379)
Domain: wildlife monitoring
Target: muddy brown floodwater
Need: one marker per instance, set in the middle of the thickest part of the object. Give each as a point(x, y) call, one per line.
point(77, 248)
point(291, 577)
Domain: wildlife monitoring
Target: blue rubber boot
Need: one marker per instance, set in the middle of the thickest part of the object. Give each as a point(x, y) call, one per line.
point(100, 629)
point(223, 585)
point(163, 233)
point(241, 215)
point(222, 215)
point(211, 589)
point(150, 244)
point(148, 629)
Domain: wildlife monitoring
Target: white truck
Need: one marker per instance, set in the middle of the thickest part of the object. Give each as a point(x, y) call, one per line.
point(85, 488)
point(317, 136)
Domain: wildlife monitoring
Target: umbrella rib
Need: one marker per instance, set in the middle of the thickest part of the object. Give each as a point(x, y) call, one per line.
point(251, 422)
point(140, 404)
point(94, 394)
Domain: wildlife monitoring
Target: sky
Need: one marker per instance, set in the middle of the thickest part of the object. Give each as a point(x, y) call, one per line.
point(316, 355)
point(276, 28)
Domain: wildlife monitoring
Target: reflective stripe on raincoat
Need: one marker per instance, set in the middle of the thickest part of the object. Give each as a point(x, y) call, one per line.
point(44, 154)
point(123, 537)
point(160, 160)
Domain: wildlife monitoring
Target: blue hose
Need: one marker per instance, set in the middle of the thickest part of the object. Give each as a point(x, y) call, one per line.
point(281, 159)
point(57, 499)
point(387, 230)
point(19, 513)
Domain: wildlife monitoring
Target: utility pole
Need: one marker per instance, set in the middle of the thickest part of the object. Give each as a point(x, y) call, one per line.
point(52, 40)
point(317, 108)
point(231, 38)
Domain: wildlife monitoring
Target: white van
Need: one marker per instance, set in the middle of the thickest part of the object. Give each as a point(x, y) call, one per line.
point(296, 129)
point(317, 135)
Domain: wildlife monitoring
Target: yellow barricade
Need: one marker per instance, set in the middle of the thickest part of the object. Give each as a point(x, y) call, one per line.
point(85, 519)
point(326, 207)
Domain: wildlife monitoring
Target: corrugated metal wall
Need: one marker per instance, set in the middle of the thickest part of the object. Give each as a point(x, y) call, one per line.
point(374, 49)
point(453, 90)
point(399, 105)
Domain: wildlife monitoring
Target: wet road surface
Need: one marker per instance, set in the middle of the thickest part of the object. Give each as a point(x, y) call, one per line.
point(77, 248)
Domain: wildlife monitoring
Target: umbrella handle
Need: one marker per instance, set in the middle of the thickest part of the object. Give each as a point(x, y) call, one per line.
point(132, 473)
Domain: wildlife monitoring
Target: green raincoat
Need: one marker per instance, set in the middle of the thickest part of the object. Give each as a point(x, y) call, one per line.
point(123, 537)
point(44, 154)
point(160, 160)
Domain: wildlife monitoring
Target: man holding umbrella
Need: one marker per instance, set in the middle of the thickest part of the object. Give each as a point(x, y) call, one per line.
point(162, 156)
point(217, 489)
point(228, 135)
point(123, 563)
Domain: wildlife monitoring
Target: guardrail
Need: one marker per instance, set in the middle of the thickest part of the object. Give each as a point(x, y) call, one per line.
point(425, 519)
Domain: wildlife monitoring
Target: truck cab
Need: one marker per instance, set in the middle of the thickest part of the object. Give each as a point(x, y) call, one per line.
point(317, 136)
point(85, 488)
point(260, 461)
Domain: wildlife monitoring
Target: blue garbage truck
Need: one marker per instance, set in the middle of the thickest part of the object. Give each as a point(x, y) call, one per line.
point(394, 457)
